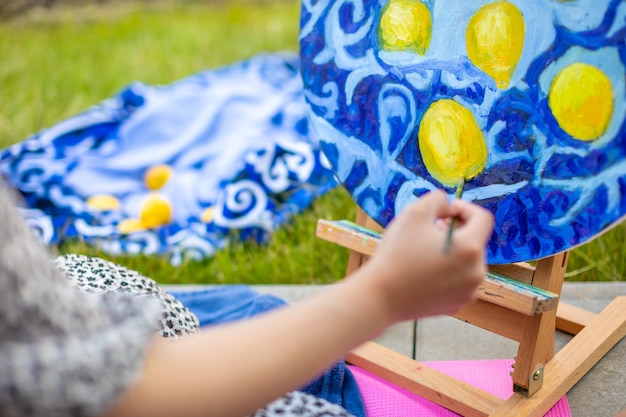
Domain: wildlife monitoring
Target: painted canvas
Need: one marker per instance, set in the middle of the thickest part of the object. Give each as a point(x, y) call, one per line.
point(521, 100)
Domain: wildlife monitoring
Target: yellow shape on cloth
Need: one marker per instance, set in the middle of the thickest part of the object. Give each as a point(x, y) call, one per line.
point(103, 202)
point(128, 226)
point(207, 215)
point(156, 211)
point(157, 176)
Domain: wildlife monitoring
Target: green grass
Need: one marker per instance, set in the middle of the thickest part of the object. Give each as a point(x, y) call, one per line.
point(602, 259)
point(57, 63)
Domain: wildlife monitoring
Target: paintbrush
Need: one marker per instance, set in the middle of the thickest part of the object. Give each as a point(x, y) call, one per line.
point(448, 242)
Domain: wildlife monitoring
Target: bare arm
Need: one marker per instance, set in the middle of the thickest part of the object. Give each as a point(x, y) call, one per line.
point(234, 369)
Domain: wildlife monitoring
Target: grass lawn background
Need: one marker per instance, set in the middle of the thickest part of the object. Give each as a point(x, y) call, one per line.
point(56, 63)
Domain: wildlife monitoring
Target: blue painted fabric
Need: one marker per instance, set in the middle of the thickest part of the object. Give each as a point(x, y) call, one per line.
point(237, 302)
point(236, 138)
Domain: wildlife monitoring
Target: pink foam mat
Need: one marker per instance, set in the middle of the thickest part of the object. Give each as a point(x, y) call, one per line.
point(384, 399)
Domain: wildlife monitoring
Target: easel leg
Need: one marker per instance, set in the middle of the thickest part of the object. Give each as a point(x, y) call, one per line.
point(537, 342)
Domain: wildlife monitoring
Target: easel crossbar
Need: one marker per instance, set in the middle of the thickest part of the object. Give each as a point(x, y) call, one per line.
point(428, 383)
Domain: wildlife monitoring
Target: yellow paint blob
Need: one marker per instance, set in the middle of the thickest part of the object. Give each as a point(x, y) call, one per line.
point(207, 215)
point(103, 202)
point(156, 176)
point(405, 25)
point(581, 100)
point(128, 226)
point(451, 143)
point(156, 211)
point(495, 39)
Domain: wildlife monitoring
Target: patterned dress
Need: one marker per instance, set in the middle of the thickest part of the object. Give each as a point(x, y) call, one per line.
point(74, 332)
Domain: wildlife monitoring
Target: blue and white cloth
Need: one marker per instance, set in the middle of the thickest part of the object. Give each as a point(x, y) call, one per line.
point(237, 142)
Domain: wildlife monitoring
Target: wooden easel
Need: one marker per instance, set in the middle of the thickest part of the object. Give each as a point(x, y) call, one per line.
point(517, 301)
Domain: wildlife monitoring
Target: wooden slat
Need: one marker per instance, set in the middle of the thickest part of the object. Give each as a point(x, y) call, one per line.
point(349, 235)
point(497, 319)
point(516, 295)
point(572, 362)
point(496, 288)
point(572, 319)
point(426, 382)
point(521, 271)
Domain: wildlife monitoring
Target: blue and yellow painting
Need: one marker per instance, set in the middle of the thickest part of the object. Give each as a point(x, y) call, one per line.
point(522, 101)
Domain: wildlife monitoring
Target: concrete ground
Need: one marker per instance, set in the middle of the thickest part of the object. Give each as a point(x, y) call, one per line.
point(600, 393)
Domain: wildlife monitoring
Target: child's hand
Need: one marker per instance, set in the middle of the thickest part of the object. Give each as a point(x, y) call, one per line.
point(410, 269)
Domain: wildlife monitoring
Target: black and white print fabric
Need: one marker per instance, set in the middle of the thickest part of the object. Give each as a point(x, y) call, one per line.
point(299, 404)
point(95, 275)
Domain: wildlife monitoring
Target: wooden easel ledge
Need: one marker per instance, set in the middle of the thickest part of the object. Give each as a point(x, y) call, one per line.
point(496, 288)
